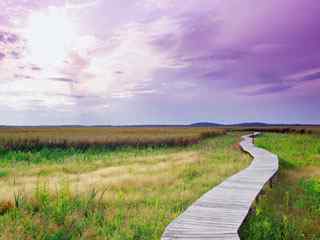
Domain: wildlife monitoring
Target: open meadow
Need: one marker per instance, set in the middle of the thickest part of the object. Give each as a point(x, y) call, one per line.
point(130, 183)
point(103, 191)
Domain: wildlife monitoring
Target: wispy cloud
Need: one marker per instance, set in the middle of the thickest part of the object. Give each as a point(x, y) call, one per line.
point(311, 77)
point(36, 68)
point(273, 89)
point(22, 76)
point(8, 38)
point(204, 58)
point(79, 4)
point(62, 79)
point(2, 56)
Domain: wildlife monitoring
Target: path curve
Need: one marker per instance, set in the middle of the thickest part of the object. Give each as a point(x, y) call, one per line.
point(219, 213)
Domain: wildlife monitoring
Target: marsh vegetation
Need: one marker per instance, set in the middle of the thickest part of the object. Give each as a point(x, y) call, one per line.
point(102, 193)
point(131, 183)
point(291, 209)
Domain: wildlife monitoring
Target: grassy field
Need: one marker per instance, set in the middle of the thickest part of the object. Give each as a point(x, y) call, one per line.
point(48, 151)
point(83, 138)
point(291, 209)
point(101, 193)
point(279, 129)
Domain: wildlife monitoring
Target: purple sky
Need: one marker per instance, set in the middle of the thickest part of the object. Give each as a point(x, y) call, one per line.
point(151, 61)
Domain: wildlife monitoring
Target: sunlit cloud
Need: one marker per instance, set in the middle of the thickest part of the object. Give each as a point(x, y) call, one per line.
point(49, 35)
point(203, 57)
point(78, 4)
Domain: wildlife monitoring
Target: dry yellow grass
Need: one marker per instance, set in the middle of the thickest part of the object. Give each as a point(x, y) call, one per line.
point(137, 174)
point(141, 193)
point(30, 138)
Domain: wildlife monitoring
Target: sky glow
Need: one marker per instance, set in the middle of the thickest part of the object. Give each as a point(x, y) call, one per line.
point(152, 62)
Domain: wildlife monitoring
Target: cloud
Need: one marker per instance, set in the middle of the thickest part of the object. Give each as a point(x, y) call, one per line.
point(11, 46)
point(311, 77)
point(276, 88)
point(130, 62)
point(220, 55)
point(8, 38)
point(305, 75)
point(213, 43)
point(36, 68)
point(210, 55)
point(213, 75)
point(15, 54)
point(22, 76)
point(2, 56)
point(62, 79)
point(164, 4)
point(79, 4)
point(73, 96)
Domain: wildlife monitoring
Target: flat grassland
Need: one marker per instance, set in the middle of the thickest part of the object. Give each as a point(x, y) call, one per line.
point(291, 209)
point(108, 183)
point(299, 129)
point(82, 138)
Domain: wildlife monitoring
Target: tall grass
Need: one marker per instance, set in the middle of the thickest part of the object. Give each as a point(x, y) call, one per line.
point(290, 210)
point(281, 129)
point(136, 203)
point(27, 139)
point(86, 149)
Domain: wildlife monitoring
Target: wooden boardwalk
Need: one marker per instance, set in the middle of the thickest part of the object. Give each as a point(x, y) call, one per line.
point(219, 213)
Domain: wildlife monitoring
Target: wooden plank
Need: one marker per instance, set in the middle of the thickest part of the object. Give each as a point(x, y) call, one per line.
point(219, 213)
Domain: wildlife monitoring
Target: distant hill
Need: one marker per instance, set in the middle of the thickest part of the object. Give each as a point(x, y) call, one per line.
point(252, 124)
point(205, 124)
point(197, 124)
point(245, 124)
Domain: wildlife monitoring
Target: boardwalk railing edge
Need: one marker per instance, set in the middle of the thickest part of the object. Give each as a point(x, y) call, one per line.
point(219, 213)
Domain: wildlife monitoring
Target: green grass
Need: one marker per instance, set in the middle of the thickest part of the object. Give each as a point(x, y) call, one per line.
point(78, 150)
point(74, 160)
point(291, 209)
point(3, 173)
point(127, 195)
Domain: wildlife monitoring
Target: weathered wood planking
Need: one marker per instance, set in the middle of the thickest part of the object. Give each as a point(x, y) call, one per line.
point(219, 213)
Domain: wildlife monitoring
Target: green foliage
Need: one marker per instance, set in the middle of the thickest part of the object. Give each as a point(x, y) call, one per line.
point(287, 214)
point(311, 196)
point(291, 210)
point(71, 159)
point(49, 216)
point(294, 150)
point(264, 225)
point(190, 173)
point(3, 173)
point(64, 216)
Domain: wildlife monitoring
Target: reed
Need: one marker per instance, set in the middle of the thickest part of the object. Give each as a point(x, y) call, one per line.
point(28, 139)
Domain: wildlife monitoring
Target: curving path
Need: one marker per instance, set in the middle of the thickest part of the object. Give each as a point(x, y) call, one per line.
point(219, 213)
